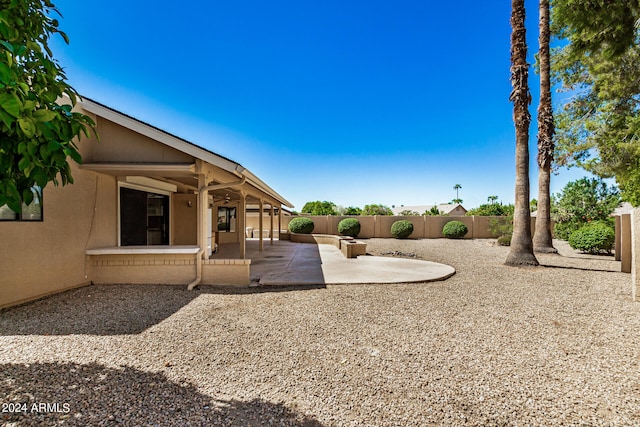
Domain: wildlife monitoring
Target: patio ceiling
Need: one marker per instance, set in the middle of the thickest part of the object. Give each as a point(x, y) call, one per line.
point(181, 174)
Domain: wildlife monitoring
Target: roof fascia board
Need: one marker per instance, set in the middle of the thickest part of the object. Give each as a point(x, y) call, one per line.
point(161, 136)
point(180, 145)
point(262, 186)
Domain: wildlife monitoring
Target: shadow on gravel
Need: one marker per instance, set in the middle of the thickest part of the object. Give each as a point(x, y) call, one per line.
point(112, 309)
point(258, 289)
point(72, 394)
point(567, 267)
point(97, 310)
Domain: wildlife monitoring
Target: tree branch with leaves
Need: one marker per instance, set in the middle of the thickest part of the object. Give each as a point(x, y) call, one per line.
point(38, 133)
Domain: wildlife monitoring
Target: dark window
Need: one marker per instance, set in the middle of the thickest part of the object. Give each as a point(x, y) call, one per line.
point(226, 219)
point(144, 218)
point(32, 212)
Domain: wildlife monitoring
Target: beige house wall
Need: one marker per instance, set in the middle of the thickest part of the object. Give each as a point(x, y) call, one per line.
point(127, 146)
point(226, 272)
point(167, 269)
point(41, 258)
point(56, 245)
point(171, 269)
point(184, 219)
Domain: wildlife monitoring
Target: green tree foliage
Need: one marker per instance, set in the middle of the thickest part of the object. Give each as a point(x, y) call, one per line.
point(377, 210)
point(501, 226)
point(433, 211)
point(491, 209)
point(409, 212)
point(36, 133)
point(352, 210)
point(598, 127)
point(319, 208)
point(603, 27)
point(584, 201)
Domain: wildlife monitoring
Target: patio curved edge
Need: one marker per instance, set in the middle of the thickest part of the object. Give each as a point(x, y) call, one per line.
point(368, 269)
point(303, 264)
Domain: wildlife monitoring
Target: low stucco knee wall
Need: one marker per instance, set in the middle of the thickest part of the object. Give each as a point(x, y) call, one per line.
point(349, 247)
point(319, 239)
point(166, 270)
point(226, 272)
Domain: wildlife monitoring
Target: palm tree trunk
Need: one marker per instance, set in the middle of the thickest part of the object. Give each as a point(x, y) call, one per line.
point(542, 239)
point(521, 250)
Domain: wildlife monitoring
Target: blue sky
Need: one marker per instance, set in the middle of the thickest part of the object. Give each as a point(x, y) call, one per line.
point(356, 102)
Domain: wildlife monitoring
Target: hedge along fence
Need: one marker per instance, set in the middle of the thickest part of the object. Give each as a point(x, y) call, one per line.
point(424, 227)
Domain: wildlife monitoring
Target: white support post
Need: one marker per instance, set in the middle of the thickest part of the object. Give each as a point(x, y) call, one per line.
point(242, 219)
point(260, 221)
point(271, 219)
point(202, 214)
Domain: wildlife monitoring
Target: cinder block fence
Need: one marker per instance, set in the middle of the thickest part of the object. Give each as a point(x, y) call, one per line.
point(424, 227)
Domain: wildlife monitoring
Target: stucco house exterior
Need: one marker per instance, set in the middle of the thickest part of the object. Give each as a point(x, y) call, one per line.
point(146, 207)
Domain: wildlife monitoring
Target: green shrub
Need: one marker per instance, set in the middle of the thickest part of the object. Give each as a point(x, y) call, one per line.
point(501, 226)
point(504, 240)
point(454, 230)
point(593, 238)
point(562, 230)
point(402, 229)
point(349, 227)
point(301, 225)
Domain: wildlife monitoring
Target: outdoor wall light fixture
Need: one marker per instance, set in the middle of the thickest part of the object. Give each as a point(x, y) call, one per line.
point(189, 204)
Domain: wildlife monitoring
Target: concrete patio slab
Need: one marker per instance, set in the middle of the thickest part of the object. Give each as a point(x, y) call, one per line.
point(286, 263)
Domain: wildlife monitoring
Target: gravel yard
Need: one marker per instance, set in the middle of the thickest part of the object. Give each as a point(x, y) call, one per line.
point(492, 345)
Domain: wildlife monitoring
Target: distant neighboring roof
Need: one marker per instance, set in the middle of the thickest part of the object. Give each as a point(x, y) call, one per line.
point(178, 143)
point(444, 207)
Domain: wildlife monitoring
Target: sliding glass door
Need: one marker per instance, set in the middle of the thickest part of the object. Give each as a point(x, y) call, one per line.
point(144, 218)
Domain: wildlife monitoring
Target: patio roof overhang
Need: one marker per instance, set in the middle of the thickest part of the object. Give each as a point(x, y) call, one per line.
point(143, 169)
point(173, 170)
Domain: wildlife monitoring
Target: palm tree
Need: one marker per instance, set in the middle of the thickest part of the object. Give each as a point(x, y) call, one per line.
point(542, 240)
point(492, 199)
point(457, 187)
point(521, 249)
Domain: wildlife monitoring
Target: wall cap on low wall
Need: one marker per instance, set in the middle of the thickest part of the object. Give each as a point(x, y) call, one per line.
point(349, 247)
point(327, 239)
point(226, 262)
point(143, 250)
